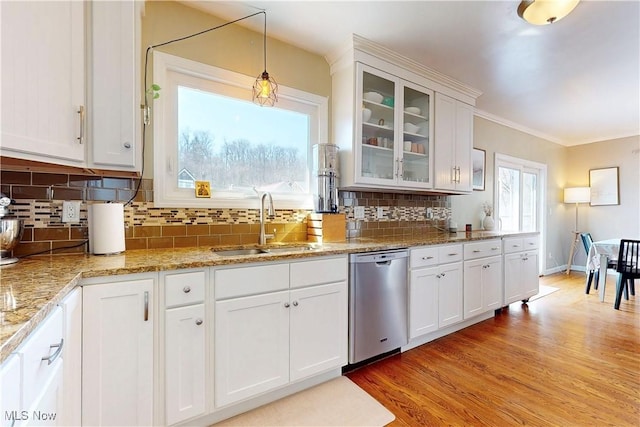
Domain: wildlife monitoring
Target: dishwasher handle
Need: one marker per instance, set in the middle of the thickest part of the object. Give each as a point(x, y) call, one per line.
point(383, 257)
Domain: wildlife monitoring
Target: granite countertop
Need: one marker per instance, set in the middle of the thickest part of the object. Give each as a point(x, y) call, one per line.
point(33, 287)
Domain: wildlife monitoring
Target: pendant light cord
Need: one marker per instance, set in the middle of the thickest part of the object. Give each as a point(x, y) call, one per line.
point(146, 114)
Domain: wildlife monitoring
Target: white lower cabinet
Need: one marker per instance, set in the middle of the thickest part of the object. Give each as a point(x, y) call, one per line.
point(520, 269)
point(435, 288)
point(482, 285)
point(11, 391)
point(185, 352)
point(118, 351)
point(482, 277)
point(284, 323)
point(72, 358)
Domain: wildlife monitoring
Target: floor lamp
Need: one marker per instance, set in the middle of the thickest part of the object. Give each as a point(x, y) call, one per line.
point(576, 195)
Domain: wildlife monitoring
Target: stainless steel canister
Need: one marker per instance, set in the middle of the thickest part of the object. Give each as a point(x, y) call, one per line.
point(325, 177)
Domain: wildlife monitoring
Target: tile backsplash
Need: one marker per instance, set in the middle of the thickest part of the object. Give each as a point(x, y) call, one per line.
point(39, 198)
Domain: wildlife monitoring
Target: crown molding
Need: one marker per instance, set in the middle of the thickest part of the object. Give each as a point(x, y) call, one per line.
point(513, 125)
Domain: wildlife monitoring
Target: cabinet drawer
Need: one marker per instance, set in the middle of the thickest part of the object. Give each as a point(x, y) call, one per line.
point(530, 243)
point(318, 271)
point(449, 253)
point(482, 249)
point(45, 342)
point(184, 288)
point(513, 244)
point(423, 256)
point(241, 281)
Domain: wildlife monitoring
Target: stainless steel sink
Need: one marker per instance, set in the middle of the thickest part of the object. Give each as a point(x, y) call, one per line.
point(266, 250)
point(238, 252)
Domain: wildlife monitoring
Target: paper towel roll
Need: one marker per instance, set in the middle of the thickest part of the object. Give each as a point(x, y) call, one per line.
point(106, 228)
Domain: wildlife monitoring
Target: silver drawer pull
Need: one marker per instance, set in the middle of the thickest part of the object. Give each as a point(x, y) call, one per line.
point(495, 248)
point(198, 322)
point(81, 112)
point(427, 257)
point(52, 357)
point(146, 306)
point(453, 254)
point(186, 289)
point(477, 251)
point(531, 243)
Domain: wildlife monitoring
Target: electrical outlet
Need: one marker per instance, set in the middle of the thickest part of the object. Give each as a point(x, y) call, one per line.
point(358, 212)
point(429, 213)
point(380, 212)
point(71, 211)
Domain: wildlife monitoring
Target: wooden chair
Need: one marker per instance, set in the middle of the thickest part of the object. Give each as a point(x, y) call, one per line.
point(628, 269)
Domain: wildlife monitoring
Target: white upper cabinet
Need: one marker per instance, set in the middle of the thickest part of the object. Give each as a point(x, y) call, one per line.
point(114, 113)
point(453, 144)
point(387, 125)
point(43, 81)
point(52, 109)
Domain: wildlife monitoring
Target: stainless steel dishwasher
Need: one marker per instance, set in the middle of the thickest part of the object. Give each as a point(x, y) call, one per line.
point(377, 303)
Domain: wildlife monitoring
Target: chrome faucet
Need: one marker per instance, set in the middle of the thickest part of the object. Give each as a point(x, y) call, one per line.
point(271, 212)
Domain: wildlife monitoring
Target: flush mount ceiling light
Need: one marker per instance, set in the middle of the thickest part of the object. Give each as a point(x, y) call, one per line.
point(265, 88)
point(544, 12)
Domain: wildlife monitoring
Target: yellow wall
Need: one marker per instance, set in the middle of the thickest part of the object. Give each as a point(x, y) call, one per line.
point(233, 48)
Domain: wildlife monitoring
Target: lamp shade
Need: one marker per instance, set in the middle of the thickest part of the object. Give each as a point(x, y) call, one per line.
point(577, 195)
point(544, 12)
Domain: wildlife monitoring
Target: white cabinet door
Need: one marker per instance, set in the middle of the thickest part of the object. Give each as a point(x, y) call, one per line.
point(482, 285)
point(11, 391)
point(450, 294)
point(72, 358)
point(318, 328)
point(453, 144)
point(185, 364)
point(513, 289)
point(117, 382)
point(251, 346)
point(47, 409)
point(423, 301)
point(530, 279)
point(43, 80)
point(464, 145)
point(114, 113)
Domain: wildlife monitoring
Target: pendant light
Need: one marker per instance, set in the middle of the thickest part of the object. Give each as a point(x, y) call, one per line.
point(544, 12)
point(265, 88)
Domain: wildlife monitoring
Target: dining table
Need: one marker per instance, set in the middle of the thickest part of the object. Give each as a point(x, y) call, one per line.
point(600, 253)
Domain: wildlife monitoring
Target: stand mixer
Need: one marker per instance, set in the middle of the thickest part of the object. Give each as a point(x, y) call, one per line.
point(10, 231)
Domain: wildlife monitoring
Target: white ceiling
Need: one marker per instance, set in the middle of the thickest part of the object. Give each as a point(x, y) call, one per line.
point(573, 82)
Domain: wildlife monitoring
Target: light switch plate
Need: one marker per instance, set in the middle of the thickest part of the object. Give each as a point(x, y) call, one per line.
point(380, 212)
point(358, 212)
point(429, 213)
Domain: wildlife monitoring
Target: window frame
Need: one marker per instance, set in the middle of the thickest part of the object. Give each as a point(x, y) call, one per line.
point(168, 72)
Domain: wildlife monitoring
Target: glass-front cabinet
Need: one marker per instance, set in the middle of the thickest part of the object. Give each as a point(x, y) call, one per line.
point(393, 131)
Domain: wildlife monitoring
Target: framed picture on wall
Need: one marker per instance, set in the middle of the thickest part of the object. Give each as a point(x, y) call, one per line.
point(478, 162)
point(604, 186)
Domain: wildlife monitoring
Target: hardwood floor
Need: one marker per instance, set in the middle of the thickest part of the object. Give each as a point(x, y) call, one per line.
point(565, 359)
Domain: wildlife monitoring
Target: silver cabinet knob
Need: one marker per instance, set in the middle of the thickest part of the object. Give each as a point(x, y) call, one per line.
point(198, 322)
point(186, 289)
point(286, 305)
point(295, 303)
point(127, 145)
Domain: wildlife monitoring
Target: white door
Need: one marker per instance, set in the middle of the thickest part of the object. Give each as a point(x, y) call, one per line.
point(43, 80)
point(11, 391)
point(492, 283)
point(72, 358)
point(444, 147)
point(185, 363)
point(117, 382)
point(47, 409)
point(423, 301)
point(450, 294)
point(473, 272)
point(251, 346)
point(513, 278)
point(318, 328)
point(529, 274)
